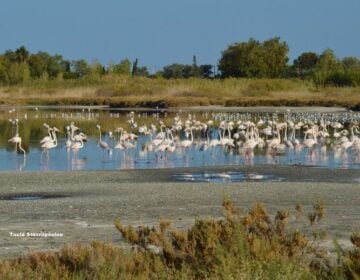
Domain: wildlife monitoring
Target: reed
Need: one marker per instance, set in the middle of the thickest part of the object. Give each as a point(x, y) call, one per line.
point(128, 91)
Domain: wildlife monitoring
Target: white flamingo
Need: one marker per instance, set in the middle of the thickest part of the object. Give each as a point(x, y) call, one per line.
point(52, 142)
point(102, 143)
point(17, 139)
point(188, 142)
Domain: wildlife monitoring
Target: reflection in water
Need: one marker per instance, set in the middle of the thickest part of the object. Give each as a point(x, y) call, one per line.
point(224, 177)
point(20, 163)
point(92, 157)
point(150, 140)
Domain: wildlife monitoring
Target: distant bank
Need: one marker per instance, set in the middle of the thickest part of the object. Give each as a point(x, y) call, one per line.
point(126, 92)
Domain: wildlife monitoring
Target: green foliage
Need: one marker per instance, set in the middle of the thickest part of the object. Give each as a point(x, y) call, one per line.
point(206, 70)
point(21, 54)
point(351, 64)
point(275, 57)
point(122, 68)
point(134, 67)
point(12, 72)
point(4, 79)
point(97, 69)
point(18, 73)
point(139, 71)
point(176, 71)
point(41, 63)
point(185, 71)
point(81, 68)
point(251, 59)
point(326, 66)
point(254, 59)
point(305, 64)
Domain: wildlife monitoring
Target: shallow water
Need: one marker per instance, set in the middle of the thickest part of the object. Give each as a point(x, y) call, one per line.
point(92, 157)
point(225, 177)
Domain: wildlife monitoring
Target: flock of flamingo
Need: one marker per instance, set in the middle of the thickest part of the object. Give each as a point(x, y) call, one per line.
point(317, 133)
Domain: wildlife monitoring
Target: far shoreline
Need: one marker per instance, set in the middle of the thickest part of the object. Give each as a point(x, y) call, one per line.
point(210, 108)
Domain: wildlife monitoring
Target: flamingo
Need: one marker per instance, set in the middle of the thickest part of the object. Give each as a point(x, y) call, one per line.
point(102, 143)
point(310, 142)
point(76, 137)
point(187, 143)
point(17, 141)
point(46, 138)
point(77, 145)
point(275, 142)
point(51, 143)
point(68, 140)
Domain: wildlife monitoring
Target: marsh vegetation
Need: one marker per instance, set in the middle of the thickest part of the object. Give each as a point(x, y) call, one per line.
point(239, 246)
point(126, 91)
point(246, 75)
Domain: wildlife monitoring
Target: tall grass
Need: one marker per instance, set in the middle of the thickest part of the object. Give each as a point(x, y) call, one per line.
point(140, 91)
point(250, 246)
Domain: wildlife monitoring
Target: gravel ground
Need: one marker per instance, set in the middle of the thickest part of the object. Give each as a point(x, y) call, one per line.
point(83, 205)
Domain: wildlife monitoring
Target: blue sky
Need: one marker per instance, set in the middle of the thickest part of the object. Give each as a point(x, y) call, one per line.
point(162, 32)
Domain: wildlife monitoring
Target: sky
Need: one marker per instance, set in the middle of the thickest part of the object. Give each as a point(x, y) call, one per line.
point(162, 32)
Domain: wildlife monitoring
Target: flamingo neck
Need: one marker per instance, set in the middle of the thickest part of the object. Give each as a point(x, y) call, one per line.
point(99, 135)
point(53, 137)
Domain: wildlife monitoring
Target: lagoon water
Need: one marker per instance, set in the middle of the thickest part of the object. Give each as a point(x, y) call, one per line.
point(92, 157)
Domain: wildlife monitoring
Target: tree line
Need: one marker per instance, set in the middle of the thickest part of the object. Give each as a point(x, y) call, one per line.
point(251, 59)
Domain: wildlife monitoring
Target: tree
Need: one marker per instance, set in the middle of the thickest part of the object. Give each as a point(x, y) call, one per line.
point(327, 65)
point(81, 68)
point(134, 68)
point(97, 69)
point(205, 70)
point(255, 59)
point(55, 66)
point(42, 63)
point(351, 75)
point(22, 54)
point(173, 71)
point(243, 59)
point(4, 79)
point(351, 63)
point(239, 59)
point(38, 64)
point(142, 71)
point(10, 56)
point(122, 68)
point(275, 57)
point(305, 63)
point(195, 71)
point(18, 73)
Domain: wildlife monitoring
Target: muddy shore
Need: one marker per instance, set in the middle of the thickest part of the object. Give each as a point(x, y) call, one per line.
point(82, 206)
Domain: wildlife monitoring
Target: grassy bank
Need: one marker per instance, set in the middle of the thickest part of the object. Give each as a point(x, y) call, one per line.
point(249, 246)
point(124, 91)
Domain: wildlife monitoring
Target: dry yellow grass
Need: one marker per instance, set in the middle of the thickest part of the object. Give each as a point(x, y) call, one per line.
point(127, 91)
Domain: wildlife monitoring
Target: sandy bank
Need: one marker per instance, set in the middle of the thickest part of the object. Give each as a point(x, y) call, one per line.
point(88, 202)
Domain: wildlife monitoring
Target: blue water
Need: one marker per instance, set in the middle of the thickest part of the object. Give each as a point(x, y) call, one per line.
point(92, 157)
